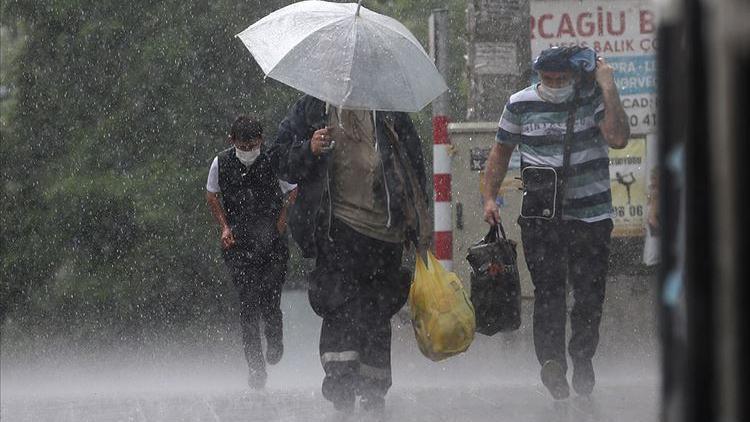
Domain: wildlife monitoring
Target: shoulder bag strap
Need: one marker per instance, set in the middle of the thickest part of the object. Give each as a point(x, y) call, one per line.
point(567, 148)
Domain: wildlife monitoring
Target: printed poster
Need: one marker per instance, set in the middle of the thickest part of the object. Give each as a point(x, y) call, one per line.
point(629, 178)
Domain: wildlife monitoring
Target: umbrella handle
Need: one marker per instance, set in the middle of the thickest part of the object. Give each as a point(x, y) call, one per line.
point(359, 5)
point(338, 118)
point(336, 110)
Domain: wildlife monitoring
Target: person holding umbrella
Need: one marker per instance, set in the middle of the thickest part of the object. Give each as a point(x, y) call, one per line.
point(357, 160)
point(359, 201)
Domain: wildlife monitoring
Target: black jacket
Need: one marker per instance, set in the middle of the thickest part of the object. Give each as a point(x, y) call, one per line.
point(310, 216)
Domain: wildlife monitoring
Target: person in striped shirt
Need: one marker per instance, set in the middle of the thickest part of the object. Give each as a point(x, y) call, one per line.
point(566, 216)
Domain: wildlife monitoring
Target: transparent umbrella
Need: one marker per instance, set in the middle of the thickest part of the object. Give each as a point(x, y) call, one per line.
point(346, 55)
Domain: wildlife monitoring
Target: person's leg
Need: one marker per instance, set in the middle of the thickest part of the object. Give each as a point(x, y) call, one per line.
point(544, 249)
point(334, 289)
point(245, 283)
point(375, 362)
point(384, 294)
point(273, 280)
point(339, 355)
point(589, 260)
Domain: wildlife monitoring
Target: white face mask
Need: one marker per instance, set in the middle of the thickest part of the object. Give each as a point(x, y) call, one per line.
point(247, 157)
point(555, 95)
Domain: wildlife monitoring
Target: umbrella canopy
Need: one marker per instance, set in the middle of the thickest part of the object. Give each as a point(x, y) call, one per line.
point(346, 55)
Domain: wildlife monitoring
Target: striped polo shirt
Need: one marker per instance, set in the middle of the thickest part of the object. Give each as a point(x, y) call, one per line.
point(538, 128)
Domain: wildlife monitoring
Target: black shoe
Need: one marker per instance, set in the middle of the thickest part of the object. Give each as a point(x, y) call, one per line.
point(553, 377)
point(256, 378)
point(342, 398)
point(583, 377)
point(372, 403)
point(274, 351)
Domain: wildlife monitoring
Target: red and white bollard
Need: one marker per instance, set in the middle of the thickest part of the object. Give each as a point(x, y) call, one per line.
point(441, 177)
point(441, 152)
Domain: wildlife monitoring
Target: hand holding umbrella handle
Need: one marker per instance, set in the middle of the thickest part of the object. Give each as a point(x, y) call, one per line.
point(321, 143)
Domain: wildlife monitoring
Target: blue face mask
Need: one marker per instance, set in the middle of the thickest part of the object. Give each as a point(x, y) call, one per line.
point(555, 95)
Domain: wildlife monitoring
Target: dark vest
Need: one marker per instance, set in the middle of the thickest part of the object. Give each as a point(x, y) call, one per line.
point(252, 199)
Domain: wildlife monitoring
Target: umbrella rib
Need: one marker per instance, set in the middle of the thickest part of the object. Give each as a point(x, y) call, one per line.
point(349, 86)
point(333, 21)
point(400, 66)
point(408, 35)
point(347, 62)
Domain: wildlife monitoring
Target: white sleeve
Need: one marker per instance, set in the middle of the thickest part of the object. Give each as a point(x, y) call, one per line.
point(286, 187)
point(212, 185)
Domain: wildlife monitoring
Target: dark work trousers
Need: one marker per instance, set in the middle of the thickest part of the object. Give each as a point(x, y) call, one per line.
point(576, 251)
point(356, 287)
point(258, 281)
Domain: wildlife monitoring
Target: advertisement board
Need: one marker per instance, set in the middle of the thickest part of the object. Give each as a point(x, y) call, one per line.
point(629, 174)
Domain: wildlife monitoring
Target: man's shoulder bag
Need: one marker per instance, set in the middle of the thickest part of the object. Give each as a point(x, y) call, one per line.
point(544, 186)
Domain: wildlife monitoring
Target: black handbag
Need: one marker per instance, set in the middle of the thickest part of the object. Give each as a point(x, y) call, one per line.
point(495, 284)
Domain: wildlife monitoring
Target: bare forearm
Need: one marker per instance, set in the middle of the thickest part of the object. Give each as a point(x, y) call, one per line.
point(497, 167)
point(614, 126)
point(214, 204)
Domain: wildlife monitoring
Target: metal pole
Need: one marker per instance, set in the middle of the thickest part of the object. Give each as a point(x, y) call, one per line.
point(438, 26)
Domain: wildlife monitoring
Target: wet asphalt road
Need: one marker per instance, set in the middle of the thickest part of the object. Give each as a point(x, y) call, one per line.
point(496, 380)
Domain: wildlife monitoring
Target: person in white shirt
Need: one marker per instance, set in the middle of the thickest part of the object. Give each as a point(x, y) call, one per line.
point(249, 202)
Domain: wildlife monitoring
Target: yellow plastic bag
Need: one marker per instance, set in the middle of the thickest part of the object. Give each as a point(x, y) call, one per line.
point(441, 312)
